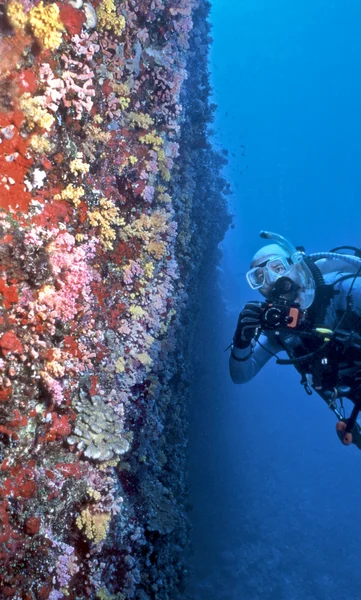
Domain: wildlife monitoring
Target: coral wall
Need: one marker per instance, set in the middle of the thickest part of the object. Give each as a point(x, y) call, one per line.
point(109, 195)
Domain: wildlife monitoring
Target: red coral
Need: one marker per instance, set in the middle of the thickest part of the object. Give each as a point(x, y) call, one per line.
point(32, 525)
point(18, 420)
point(115, 315)
point(8, 432)
point(27, 82)
point(72, 18)
point(107, 88)
point(13, 165)
point(21, 483)
point(94, 385)
point(71, 345)
point(5, 394)
point(103, 351)
point(70, 469)
point(54, 213)
point(9, 343)
point(44, 592)
point(100, 292)
point(60, 427)
point(9, 292)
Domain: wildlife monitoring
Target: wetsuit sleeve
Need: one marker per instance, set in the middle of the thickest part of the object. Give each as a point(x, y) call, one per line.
point(251, 359)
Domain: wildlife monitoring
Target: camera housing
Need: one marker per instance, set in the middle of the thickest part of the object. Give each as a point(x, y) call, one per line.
point(281, 316)
point(282, 311)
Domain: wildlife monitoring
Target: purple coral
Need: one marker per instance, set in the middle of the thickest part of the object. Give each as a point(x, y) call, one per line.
point(148, 193)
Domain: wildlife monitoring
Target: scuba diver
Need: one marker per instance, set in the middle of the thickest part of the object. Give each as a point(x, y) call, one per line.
point(313, 312)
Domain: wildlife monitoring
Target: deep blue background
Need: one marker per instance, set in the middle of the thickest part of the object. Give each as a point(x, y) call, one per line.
point(276, 496)
point(286, 78)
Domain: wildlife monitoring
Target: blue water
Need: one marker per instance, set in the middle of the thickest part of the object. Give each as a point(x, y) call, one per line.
point(276, 496)
point(285, 77)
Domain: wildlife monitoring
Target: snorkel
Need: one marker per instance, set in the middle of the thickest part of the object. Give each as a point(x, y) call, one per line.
point(306, 294)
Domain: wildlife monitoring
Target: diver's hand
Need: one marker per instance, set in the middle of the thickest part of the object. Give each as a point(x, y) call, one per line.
point(248, 321)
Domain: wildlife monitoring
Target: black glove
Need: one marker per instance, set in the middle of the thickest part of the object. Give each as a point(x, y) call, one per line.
point(248, 321)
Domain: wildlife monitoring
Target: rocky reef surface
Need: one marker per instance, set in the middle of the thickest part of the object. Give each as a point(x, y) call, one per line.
point(112, 205)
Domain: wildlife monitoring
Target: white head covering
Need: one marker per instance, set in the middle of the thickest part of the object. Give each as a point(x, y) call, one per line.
point(298, 272)
point(267, 252)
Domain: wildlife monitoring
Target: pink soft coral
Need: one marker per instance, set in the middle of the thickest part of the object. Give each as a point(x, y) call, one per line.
point(69, 264)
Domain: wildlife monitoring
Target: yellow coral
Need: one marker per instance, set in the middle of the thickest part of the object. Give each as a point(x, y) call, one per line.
point(141, 120)
point(124, 102)
point(165, 325)
point(94, 524)
point(149, 270)
point(71, 193)
point(34, 112)
point(78, 165)
point(16, 15)
point(149, 339)
point(43, 21)
point(94, 494)
point(152, 139)
point(133, 160)
point(94, 136)
point(95, 133)
point(164, 198)
point(158, 220)
point(143, 358)
point(120, 365)
point(40, 144)
point(105, 217)
point(136, 311)
point(148, 225)
point(108, 18)
point(165, 173)
point(55, 369)
point(46, 25)
point(157, 249)
point(121, 88)
point(108, 463)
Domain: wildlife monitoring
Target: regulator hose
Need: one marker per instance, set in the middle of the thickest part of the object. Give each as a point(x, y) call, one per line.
point(322, 294)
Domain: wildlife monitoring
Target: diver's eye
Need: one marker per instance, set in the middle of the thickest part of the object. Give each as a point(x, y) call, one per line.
point(259, 275)
point(277, 266)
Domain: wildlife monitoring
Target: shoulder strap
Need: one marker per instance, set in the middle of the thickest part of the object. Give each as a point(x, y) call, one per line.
point(323, 295)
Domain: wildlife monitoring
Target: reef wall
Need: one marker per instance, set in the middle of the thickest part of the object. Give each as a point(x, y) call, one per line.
point(111, 209)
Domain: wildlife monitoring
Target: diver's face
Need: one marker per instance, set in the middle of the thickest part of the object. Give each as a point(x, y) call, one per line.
point(264, 274)
point(270, 280)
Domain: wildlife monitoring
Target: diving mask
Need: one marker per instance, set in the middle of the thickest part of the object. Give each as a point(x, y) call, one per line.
point(268, 272)
point(290, 262)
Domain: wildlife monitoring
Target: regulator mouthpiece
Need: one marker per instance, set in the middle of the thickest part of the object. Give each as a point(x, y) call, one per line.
point(285, 288)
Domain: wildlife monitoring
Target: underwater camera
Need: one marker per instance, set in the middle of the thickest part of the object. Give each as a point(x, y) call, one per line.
point(281, 311)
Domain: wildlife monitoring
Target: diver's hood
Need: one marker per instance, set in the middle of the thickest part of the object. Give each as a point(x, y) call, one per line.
point(307, 289)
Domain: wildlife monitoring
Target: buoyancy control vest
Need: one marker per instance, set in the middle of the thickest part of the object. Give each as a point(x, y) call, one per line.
point(336, 360)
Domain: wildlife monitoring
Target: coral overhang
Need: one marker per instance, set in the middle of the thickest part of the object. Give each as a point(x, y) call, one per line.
point(95, 240)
